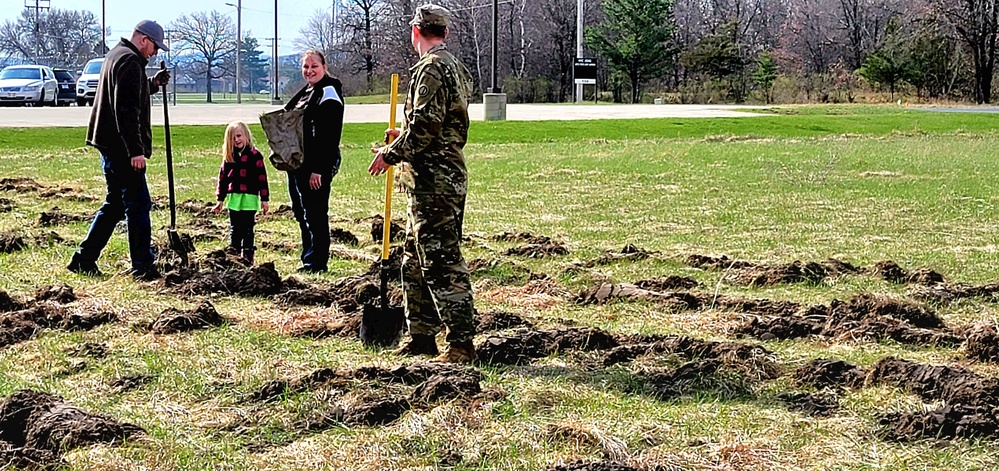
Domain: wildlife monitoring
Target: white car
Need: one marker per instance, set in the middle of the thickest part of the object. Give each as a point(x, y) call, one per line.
point(23, 84)
point(86, 85)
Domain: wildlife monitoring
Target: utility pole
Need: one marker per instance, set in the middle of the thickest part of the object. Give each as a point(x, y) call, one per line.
point(239, 45)
point(579, 45)
point(495, 89)
point(104, 29)
point(38, 6)
point(493, 100)
point(276, 100)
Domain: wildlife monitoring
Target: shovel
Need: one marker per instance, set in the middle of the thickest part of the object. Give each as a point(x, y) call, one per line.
point(387, 221)
point(384, 326)
point(181, 245)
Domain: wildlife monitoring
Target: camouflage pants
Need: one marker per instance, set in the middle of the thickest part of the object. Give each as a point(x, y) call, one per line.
point(435, 278)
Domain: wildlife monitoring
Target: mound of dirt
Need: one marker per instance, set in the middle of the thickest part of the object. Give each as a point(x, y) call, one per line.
point(667, 283)
point(952, 384)
point(445, 387)
point(865, 316)
point(128, 383)
point(22, 324)
point(6, 205)
point(947, 422)
point(20, 184)
point(629, 253)
point(198, 208)
point(752, 360)
point(708, 262)
point(397, 231)
point(10, 243)
point(523, 237)
point(548, 249)
point(279, 387)
point(376, 411)
point(524, 344)
point(55, 217)
point(753, 274)
point(32, 419)
point(343, 236)
point(259, 280)
point(814, 404)
point(822, 373)
point(607, 292)
point(893, 273)
point(405, 374)
point(499, 320)
point(593, 466)
point(982, 342)
point(172, 320)
point(944, 293)
point(10, 303)
point(61, 293)
point(693, 377)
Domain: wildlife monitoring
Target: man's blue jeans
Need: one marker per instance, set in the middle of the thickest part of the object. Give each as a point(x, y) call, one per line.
point(127, 198)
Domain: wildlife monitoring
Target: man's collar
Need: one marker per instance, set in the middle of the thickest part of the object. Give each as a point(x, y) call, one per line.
point(134, 49)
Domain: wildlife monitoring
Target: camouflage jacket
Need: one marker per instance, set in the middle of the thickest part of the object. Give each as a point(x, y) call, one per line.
point(436, 124)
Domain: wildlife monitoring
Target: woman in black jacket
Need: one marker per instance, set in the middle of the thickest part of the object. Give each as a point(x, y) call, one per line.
point(322, 100)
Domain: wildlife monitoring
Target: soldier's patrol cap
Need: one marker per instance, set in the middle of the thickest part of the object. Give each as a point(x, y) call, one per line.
point(431, 15)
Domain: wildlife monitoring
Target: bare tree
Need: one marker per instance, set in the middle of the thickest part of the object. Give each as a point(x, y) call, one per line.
point(210, 38)
point(361, 21)
point(66, 38)
point(976, 24)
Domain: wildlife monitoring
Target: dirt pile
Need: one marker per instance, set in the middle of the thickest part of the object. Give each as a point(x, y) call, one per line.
point(259, 280)
point(865, 316)
point(682, 300)
point(522, 237)
point(49, 309)
point(28, 185)
point(667, 283)
point(629, 253)
point(10, 243)
point(982, 342)
point(751, 360)
point(823, 373)
point(525, 344)
point(56, 217)
point(593, 466)
point(499, 320)
point(172, 320)
point(397, 231)
point(893, 273)
point(548, 249)
point(343, 236)
point(753, 274)
point(31, 421)
point(6, 205)
point(945, 293)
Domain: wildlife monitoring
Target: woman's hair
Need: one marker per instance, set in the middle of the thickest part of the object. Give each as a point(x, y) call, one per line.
point(229, 142)
point(313, 52)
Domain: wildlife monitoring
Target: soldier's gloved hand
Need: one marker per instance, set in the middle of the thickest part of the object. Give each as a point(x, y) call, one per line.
point(161, 78)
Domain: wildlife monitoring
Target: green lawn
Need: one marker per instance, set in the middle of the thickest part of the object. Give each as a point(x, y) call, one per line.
point(861, 184)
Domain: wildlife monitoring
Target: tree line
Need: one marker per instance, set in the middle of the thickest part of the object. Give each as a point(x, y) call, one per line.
point(688, 51)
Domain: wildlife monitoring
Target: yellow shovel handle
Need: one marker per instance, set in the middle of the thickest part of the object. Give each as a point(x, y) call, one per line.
point(389, 175)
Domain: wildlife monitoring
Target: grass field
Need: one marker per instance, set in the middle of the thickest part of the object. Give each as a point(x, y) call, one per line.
point(859, 184)
point(230, 98)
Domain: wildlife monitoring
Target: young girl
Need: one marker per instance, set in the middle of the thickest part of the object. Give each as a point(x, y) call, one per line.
point(243, 179)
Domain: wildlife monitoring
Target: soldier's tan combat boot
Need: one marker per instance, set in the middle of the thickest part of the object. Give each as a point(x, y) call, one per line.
point(419, 344)
point(458, 352)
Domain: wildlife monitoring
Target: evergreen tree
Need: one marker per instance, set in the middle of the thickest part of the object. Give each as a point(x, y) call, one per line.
point(636, 39)
point(765, 74)
point(254, 69)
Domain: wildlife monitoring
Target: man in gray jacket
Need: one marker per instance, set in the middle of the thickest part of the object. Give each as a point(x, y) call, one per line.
point(120, 130)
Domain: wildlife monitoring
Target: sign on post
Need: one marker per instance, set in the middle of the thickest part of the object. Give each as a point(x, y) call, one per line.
point(584, 71)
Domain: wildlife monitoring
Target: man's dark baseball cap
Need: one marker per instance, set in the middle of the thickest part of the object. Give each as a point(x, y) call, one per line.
point(431, 15)
point(154, 31)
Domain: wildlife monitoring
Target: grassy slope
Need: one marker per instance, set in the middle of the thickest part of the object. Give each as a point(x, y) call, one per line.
point(912, 186)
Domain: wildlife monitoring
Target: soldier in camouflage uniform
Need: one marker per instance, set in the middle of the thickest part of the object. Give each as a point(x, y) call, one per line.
point(436, 283)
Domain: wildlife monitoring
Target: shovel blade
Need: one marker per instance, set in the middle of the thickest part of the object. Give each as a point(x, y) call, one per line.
point(382, 327)
point(181, 244)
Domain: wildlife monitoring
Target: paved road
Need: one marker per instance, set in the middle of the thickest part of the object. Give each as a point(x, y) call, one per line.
point(223, 114)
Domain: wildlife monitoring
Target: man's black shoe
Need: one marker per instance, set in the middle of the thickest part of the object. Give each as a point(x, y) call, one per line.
point(83, 268)
point(149, 274)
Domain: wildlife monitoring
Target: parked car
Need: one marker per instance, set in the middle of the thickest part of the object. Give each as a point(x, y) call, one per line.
point(86, 85)
point(67, 92)
point(24, 84)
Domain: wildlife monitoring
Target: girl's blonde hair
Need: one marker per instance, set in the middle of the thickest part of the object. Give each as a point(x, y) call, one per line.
point(229, 141)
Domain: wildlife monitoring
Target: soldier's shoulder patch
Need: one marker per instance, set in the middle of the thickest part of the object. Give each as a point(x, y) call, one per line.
point(423, 90)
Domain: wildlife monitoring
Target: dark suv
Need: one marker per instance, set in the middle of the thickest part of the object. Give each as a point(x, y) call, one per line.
point(67, 93)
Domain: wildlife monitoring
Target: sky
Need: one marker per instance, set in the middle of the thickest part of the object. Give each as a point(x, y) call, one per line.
point(258, 15)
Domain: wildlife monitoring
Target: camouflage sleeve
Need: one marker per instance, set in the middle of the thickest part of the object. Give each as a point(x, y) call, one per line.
point(427, 118)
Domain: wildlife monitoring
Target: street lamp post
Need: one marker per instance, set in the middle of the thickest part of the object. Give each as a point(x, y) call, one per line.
point(276, 100)
point(239, 46)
